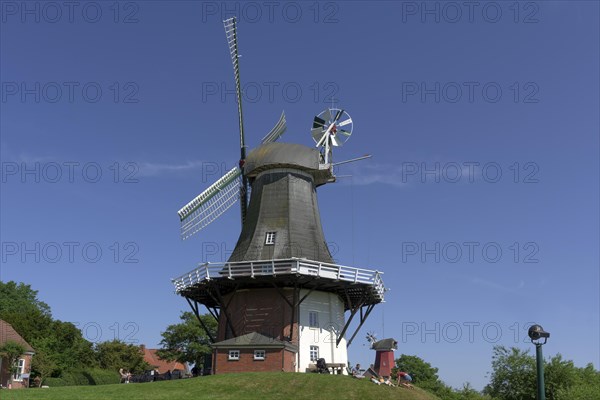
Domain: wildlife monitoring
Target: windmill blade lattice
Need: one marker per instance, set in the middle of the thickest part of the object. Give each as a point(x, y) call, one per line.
point(278, 130)
point(231, 34)
point(211, 203)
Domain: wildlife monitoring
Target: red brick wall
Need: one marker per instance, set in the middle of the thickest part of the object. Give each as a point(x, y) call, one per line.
point(5, 374)
point(289, 360)
point(259, 310)
point(275, 360)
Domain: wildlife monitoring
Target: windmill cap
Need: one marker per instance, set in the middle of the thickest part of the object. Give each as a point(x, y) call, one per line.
point(385, 344)
point(286, 155)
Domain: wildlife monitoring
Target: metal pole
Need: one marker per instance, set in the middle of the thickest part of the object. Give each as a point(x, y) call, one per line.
point(541, 393)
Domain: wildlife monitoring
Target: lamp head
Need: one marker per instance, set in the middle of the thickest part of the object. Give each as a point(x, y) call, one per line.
point(536, 332)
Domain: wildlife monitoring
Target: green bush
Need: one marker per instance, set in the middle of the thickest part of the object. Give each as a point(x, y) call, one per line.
point(94, 376)
point(75, 378)
point(99, 376)
point(54, 382)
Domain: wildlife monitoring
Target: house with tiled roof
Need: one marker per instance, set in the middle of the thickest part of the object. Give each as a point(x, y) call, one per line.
point(253, 352)
point(20, 378)
point(160, 365)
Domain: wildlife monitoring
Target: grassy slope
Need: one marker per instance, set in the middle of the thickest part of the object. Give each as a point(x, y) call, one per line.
point(235, 386)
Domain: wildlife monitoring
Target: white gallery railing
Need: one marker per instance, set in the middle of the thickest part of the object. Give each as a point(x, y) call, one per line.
point(300, 266)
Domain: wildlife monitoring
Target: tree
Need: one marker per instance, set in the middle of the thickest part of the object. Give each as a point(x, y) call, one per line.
point(468, 393)
point(20, 307)
point(187, 341)
point(68, 349)
point(420, 370)
point(558, 375)
point(513, 375)
point(19, 296)
point(61, 345)
point(425, 376)
point(43, 364)
point(586, 387)
point(116, 354)
point(11, 351)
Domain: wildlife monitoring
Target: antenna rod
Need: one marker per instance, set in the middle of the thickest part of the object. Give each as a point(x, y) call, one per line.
point(231, 33)
point(352, 160)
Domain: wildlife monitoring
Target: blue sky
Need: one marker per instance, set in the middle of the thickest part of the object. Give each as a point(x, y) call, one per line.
point(480, 203)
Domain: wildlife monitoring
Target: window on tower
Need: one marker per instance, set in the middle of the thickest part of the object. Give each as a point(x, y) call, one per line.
point(270, 238)
point(314, 353)
point(313, 319)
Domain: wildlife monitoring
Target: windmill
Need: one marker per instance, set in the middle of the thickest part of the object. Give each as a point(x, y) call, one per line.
point(280, 300)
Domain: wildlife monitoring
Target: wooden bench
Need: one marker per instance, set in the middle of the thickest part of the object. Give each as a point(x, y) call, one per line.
point(336, 368)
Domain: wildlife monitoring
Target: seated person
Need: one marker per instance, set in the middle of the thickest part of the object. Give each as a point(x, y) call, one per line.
point(356, 373)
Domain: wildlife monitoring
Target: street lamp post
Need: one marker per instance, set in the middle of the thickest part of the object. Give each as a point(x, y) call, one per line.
point(536, 334)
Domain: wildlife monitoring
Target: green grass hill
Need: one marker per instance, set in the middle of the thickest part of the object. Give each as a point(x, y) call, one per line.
point(260, 386)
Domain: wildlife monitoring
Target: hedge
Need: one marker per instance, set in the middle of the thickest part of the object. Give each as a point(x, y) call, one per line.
point(54, 382)
point(83, 378)
point(99, 376)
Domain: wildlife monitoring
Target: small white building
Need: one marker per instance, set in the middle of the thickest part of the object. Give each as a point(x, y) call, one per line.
point(321, 319)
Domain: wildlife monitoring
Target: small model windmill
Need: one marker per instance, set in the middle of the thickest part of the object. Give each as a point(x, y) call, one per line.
point(384, 356)
point(280, 296)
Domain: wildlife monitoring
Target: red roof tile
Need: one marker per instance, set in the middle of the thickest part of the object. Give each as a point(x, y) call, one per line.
point(162, 366)
point(8, 333)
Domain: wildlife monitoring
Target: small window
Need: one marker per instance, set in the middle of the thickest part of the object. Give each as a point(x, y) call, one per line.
point(20, 364)
point(313, 319)
point(266, 269)
point(234, 355)
point(314, 353)
point(270, 238)
point(259, 355)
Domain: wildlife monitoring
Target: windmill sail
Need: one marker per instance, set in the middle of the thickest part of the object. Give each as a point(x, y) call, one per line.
point(210, 204)
point(277, 131)
point(231, 34)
